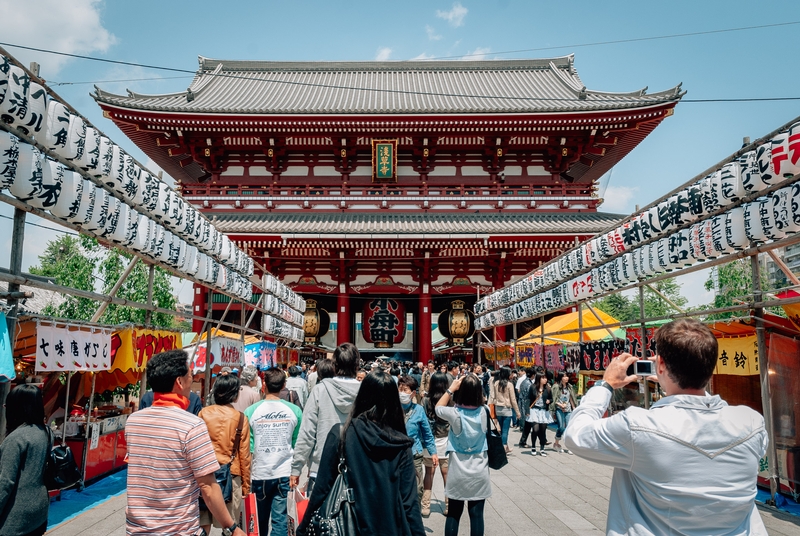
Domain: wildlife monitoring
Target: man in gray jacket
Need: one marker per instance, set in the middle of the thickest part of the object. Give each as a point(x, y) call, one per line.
point(328, 405)
point(689, 464)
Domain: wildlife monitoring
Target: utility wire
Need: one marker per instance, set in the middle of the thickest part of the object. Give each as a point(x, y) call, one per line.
point(409, 92)
point(42, 226)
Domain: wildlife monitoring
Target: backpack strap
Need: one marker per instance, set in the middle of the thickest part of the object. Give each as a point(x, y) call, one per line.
point(238, 438)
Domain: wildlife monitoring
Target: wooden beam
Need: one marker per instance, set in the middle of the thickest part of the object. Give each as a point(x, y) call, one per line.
point(104, 305)
point(785, 269)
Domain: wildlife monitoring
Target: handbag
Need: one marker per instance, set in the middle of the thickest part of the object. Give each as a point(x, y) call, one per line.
point(223, 475)
point(495, 450)
point(61, 471)
point(336, 515)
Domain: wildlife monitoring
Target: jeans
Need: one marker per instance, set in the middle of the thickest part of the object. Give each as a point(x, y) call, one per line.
point(271, 498)
point(475, 511)
point(563, 420)
point(505, 424)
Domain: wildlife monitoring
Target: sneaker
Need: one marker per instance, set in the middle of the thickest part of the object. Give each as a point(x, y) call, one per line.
point(562, 451)
point(533, 452)
point(568, 452)
point(543, 454)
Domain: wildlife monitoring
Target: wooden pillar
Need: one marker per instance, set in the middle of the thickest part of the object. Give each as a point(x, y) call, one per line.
point(423, 324)
point(15, 265)
point(198, 307)
point(343, 330)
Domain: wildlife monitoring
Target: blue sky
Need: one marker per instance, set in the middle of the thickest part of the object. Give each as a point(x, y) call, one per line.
point(756, 63)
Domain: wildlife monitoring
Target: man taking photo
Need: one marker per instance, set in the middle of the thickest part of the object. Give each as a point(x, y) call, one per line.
point(689, 464)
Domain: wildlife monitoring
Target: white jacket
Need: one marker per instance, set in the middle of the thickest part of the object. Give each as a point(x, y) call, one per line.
point(687, 466)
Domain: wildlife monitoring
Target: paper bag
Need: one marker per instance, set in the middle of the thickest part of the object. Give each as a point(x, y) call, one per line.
point(296, 504)
point(251, 515)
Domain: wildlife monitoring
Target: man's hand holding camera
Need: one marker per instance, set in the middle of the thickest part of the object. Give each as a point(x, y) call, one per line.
point(616, 374)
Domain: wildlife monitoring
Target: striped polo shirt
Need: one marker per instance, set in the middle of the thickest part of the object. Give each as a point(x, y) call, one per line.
point(168, 449)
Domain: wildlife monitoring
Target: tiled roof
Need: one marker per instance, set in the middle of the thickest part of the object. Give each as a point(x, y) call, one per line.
point(414, 224)
point(407, 87)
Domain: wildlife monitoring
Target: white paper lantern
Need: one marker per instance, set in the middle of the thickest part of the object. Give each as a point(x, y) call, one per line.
point(706, 234)
point(636, 263)
point(99, 212)
point(719, 234)
point(105, 155)
point(144, 228)
point(203, 266)
point(735, 232)
point(695, 243)
point(109, 225)
point(752, 222)
point(9, 155)
point(164, 253)
point(89, 159)
point(132, 227)
point(709, 192)
point(69, 201)
point(782, 211)
point(76, 139)
point(57, 133)
point(731, 189)
point(86, 206)
point(148, 192)
point(626, 268)
point(28, 176)
point(48, 190)
point(751, 175)
point(15, 104)
point(580, 288)
point(156, 242)
point(130, 179)
point(177, 213)
point(662, 254)
point(35, 121)
point(116, 228)
point(191, 262)
point(116, 171)
point(785, 161)
point(765, 165)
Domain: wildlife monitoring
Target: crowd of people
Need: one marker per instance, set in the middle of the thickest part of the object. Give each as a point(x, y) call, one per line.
point(389, 427)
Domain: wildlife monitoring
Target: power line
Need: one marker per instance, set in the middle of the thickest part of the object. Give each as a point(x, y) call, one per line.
point(42, 226)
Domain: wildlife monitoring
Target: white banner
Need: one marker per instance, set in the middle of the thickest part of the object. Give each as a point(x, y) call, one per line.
point(227, 352)
point(61, 349)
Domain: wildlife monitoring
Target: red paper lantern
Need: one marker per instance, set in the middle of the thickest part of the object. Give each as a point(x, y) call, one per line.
point(383, 322)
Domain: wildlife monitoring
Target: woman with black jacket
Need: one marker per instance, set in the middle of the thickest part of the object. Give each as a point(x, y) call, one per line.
point(539, 416)
point(380, 467)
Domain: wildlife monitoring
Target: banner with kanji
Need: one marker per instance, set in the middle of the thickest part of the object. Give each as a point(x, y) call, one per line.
point(70, 349)
point(227, 352)
point(132, 348)
point(572, 358)
point(260, 354)
point(7, 371)
point(595, 356)
point(634, 337)
point(525, 355)
point(737, 356)
point(552, 357)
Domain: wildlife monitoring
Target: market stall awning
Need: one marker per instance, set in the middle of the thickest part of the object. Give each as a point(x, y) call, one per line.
point(570, 321)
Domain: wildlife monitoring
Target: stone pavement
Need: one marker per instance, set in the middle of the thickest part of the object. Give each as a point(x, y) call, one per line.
point(556, 495)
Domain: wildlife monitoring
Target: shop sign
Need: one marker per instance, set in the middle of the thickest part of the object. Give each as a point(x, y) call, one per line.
point(737, 356)
point(384, 160)
point(60, 349)
point(595, 356)
point(260, 354)
point(133, 348)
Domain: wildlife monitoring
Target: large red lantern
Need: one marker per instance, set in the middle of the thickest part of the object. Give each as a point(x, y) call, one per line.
point(383, 322)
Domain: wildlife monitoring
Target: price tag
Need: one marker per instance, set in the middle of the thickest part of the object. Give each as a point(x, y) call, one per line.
point(95, 435)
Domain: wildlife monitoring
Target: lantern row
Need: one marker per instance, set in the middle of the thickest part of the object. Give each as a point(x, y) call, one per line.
point(283, 302)
point(282, 329)
point(43, 183)
point(755, 171)
point(26, 106)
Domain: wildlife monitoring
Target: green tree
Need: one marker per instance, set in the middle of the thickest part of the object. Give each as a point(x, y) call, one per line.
point(67, 260)
point(656, 306)
point(616, 305)
point(732, 284)
point(84, 264)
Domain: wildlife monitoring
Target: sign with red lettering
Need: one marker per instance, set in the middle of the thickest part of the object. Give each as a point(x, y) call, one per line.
point(132, 348)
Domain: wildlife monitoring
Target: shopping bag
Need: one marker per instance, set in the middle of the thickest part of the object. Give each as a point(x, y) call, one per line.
point(251, 515)
point(296, 504)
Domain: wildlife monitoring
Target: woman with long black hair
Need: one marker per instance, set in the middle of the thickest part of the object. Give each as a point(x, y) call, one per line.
point(380, 467)
point(503, 402)
point(468, 478)
point(539, 416)
point(437, 386)
point(24, 502)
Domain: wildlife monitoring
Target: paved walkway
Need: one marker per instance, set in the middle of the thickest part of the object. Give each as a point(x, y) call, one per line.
point(556, 495)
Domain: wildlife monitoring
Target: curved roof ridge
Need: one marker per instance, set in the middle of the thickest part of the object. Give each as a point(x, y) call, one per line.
point(563, 62)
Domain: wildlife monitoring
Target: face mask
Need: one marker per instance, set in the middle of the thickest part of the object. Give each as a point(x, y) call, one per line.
point(405, 399)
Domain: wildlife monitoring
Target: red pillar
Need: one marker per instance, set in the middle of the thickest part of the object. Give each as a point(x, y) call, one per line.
point(199, 305)
point(424, 324)
point(501, 333)
point(343, 316)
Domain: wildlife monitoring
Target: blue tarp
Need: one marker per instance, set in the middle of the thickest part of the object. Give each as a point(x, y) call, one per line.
point(73, 503)
point(782, 502)
point(7, 372)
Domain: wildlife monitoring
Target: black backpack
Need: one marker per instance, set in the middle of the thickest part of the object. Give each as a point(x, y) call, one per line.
point(61, 471)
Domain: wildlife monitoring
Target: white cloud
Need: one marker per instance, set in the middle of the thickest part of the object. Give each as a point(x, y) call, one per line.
point(73, 27)
point(423, 56)
point(476, 55)
point(454, 17)
point(618, 198)
point(432, 35)
point(384, 53)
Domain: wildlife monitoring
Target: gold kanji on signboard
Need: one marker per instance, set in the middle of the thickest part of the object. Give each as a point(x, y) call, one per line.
point(384, 160)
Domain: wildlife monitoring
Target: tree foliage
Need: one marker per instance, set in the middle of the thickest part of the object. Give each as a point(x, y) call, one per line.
point(84, 264)
point(732, 284)
point(625, 308)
